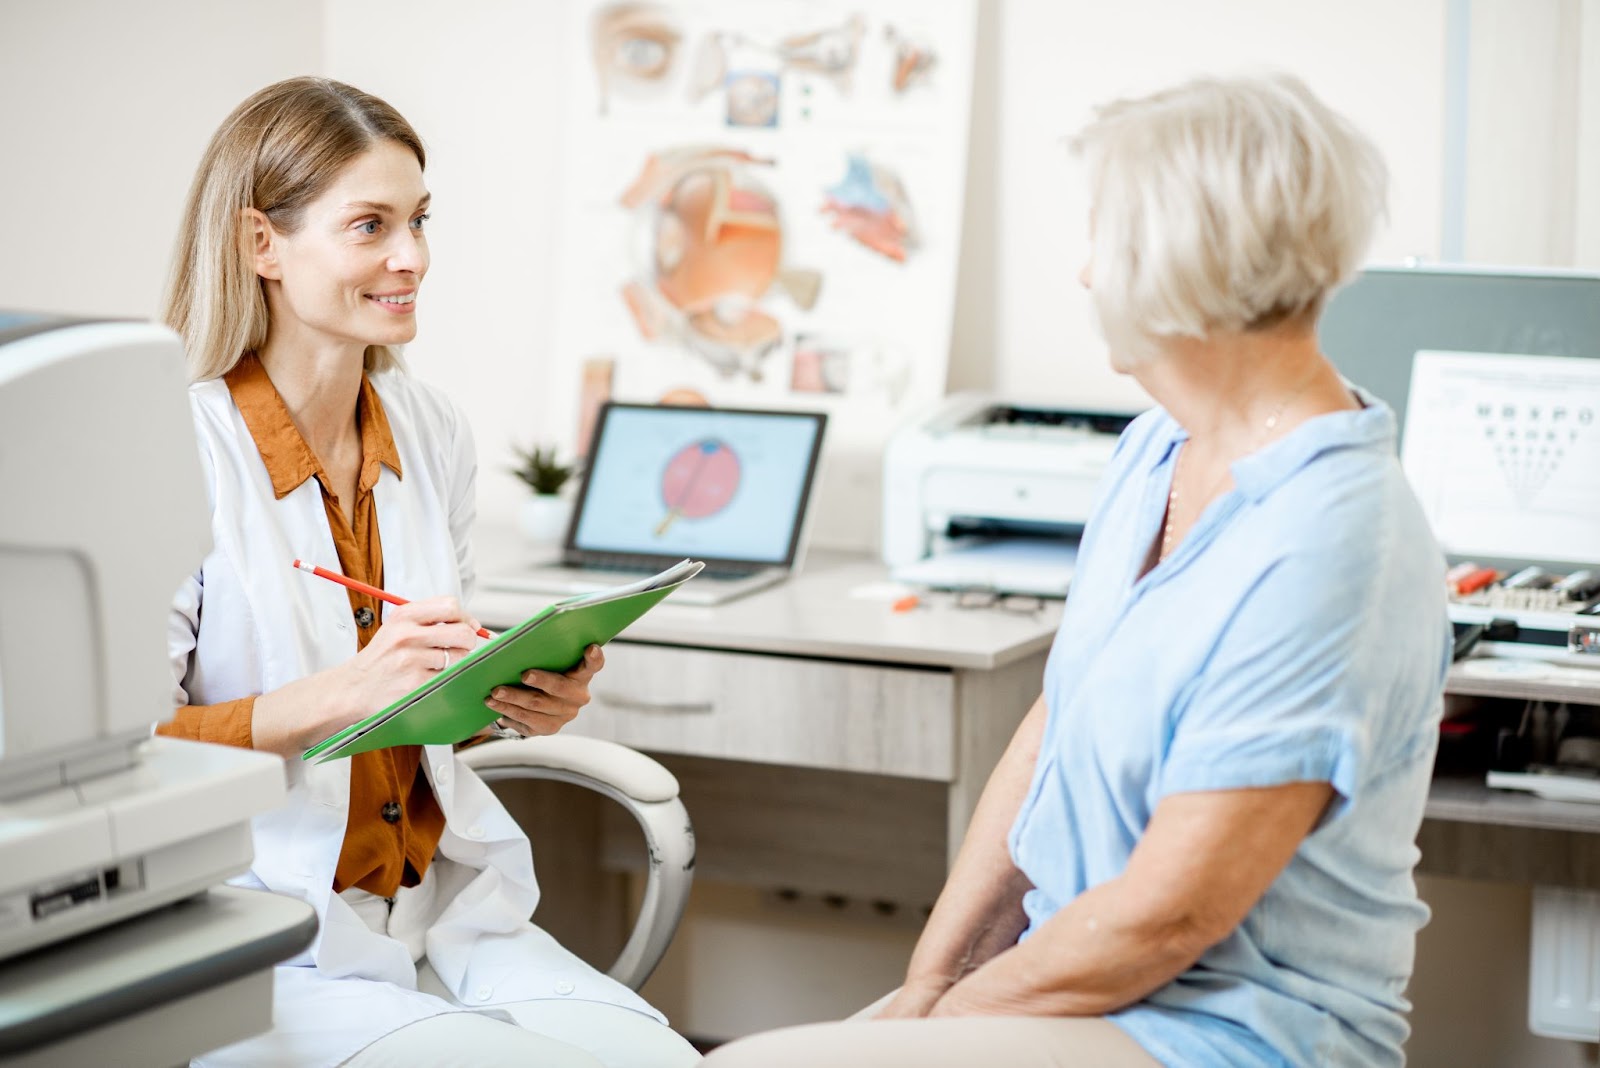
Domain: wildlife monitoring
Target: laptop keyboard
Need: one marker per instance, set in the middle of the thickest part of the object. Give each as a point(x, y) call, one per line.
point(649, 565)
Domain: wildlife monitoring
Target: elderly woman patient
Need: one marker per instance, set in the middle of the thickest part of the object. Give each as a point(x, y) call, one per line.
point(1198, 848)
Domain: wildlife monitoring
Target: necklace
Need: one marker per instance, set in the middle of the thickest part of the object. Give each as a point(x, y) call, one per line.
point(1261, 437)
point(1172, 500)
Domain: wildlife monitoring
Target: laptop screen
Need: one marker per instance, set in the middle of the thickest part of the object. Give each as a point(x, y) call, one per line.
point(712, 483)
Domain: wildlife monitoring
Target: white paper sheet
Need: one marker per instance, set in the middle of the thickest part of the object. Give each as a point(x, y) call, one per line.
point(1007, 565)
point(1504, 453)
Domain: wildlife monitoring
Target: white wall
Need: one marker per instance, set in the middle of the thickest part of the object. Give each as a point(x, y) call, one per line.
point(1587, 101)
point(1533, 145)
point(1056, 60)
point(482, 82)
point(105, 107)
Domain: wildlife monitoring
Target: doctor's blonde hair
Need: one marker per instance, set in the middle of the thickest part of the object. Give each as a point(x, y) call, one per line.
point(1224, 205)
point(277, 152)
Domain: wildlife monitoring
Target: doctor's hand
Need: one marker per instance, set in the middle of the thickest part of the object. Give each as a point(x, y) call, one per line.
point(547, 700)
point(415, 643)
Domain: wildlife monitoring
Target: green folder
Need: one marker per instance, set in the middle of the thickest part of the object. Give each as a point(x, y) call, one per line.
point(449, 707)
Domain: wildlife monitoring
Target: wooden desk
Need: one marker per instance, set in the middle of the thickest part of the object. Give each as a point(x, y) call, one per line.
point(823, 741)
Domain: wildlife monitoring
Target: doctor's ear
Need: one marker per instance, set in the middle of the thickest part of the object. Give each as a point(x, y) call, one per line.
point(261, 241)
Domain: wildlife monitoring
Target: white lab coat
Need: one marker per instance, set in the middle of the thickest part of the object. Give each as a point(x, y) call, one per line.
point(247, 623)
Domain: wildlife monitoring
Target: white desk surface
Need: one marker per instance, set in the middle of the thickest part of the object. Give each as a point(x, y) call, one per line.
point(813, 614)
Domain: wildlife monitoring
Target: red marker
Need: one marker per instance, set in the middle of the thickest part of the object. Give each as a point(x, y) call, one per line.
point(362, 587)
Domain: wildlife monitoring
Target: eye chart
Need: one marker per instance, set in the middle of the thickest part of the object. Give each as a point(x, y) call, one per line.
point(1504, 453)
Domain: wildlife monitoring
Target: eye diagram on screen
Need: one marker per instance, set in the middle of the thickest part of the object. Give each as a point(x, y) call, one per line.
point(698, 482)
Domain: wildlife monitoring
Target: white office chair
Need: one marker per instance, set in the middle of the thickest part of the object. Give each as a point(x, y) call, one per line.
point(648, 791)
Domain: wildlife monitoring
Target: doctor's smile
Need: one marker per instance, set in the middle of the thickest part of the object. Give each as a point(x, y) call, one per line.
point(399, 303)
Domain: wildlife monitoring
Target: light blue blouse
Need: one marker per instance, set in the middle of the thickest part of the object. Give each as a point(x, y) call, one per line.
point(1298, 633)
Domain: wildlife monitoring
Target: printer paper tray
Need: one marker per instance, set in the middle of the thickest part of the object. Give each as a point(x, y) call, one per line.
point(1011, 565)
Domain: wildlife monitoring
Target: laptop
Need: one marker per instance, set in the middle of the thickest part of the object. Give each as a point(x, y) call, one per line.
point(727, 486)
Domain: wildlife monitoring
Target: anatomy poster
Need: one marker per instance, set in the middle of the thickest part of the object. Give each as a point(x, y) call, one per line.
point(763, 209)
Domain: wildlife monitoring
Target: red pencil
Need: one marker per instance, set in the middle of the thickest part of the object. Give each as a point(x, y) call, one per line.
point(362, 587)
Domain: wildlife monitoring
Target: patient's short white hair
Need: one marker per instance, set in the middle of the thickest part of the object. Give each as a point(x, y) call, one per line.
point(1223, 205)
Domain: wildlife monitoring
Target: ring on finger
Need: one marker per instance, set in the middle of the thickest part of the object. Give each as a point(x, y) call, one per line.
point(444, 661)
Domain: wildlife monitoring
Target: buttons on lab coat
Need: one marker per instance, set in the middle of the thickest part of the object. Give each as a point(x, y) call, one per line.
point(391, 812)
point(364, 617)
point(483, 993)
point(565, 987)
point(441, 774)
point(475, 832)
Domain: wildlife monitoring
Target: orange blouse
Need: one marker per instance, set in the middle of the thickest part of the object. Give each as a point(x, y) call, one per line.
point(395, 822)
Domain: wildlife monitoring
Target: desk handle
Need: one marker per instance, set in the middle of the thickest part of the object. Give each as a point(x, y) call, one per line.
point(637, 704)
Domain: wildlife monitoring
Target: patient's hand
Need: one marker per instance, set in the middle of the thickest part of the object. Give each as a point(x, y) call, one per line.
point(547, 701)
point(912, 1001)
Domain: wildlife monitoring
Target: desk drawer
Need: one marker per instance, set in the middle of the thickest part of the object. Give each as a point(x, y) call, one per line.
point(775, 710)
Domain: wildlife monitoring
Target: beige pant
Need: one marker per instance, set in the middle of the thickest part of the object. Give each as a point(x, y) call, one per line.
point(962, 1042)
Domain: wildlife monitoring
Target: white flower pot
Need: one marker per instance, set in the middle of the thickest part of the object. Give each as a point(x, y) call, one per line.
point(544, 517)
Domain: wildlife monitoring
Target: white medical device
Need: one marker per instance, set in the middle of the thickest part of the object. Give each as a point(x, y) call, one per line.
point(972, 482)
point(103, 513)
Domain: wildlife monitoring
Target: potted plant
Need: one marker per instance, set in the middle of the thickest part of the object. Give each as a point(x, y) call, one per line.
point(544, 516)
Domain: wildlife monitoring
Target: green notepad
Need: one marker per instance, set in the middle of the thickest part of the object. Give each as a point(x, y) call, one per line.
point(449, 707)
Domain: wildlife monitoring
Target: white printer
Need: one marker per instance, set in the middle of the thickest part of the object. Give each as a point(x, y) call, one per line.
point(983, 493)
point(102, 514)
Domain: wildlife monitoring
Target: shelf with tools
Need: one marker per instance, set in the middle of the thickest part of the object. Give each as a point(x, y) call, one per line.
point(1523, 679)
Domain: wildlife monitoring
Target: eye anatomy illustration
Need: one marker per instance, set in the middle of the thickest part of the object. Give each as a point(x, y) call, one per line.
point(870, 204)
point(712, 250)
point(752, 98)
point(720, 159)
point(699, 481)
point(749, 68)
point(914, 60)
point(635, 50)
point(831, 53)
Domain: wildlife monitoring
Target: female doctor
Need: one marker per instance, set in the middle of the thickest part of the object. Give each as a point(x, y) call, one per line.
point(299, 265)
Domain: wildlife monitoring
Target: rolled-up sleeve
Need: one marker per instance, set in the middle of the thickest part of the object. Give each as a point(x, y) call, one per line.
point(227, 723)
point(1279, 701)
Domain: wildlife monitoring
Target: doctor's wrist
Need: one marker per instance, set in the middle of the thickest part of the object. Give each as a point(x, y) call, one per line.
point(292, 718)
point(267, 728)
